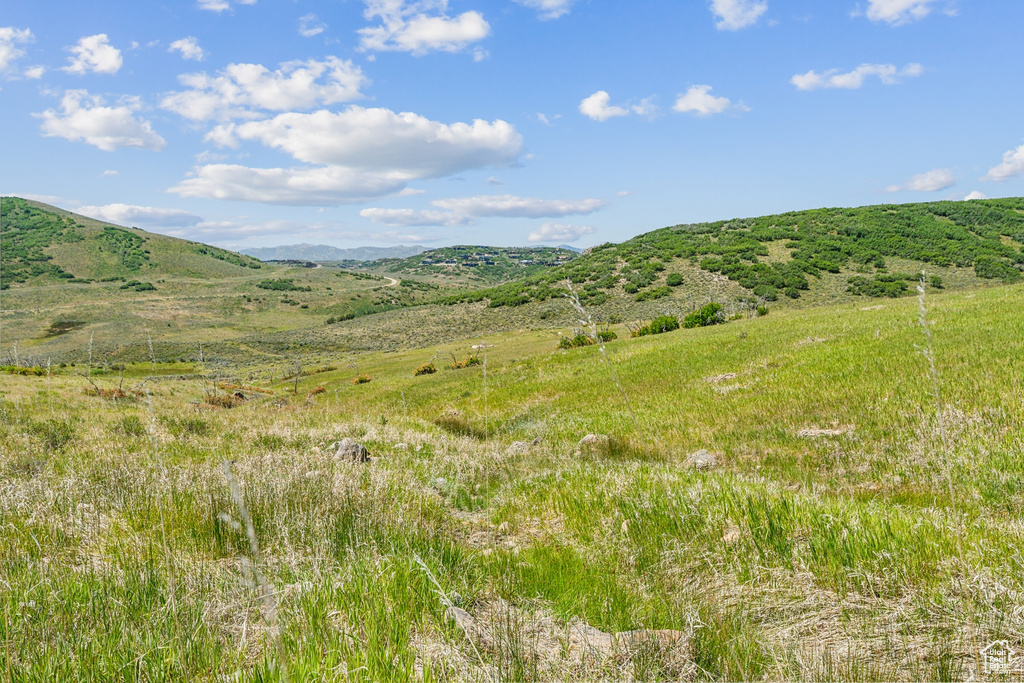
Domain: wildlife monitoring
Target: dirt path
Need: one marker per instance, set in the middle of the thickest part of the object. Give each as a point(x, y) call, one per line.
point(392, 283)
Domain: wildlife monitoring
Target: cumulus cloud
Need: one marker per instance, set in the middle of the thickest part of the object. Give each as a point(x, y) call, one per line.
point(10, 39)
point(852, 80)
point(932, 181)
point(596, 107)
point(310, 26)
point(557, 232)
point(239, 89)
point(1013, 165)
point(189, 49)
point(510, 206)
point(699, 100)
point(94, 54)
point(220, 5)
point(975, 195)
point(548, 9)
point(35, 72)
point(732, 15)
point(141, 216)
point(896, 12)
point(419, 27)
point(382, 140)
point(412, 217)
point(358, 154)
point(86, 118)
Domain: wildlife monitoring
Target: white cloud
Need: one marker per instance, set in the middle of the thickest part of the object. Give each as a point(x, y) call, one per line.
point(596, 107)
point(419, 27)
point(548, 9)
point(94, 54)
point(316, 186)
point(556, 232)
point(239, 88)
point(896, 12)
point(975, 195)
point(35, 72)
point(412, 217)
point(107, 174)
point(887, 73)
point(220, 5)
point(10, 38)
point(732, 15)
point(510, 206)
point(310, 26)
point(699, 100)
point(1013, 165)
point(189, 49)
point(932, 181)
point(236, 232)
point(85, 118)
point(141, 216)
point(382, 140)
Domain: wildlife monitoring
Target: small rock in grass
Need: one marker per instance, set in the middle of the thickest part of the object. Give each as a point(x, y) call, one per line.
point(439, 483)
point(349, 449)
point(461, 617)
point(701, 460)
point(592, 440)
point(401, 446)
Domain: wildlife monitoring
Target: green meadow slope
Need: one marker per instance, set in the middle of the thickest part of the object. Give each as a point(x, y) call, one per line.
point(849, 524)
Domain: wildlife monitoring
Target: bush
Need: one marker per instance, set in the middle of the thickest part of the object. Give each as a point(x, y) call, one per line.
point(660, 325)
point(711, 314)
point(935, 281)
point(576, 341)
point(656, 293)
point(762, 311)
point(606, 335)
point(425, 369)
point(467, 363)
point(362, 379)
point(995, 269)
point(674, 279)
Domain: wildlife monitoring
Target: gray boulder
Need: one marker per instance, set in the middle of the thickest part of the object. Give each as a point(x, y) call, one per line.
point(349, 449)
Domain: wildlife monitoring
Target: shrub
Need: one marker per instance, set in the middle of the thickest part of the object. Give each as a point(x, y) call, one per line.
point(660, 325)
point(576, 341)
point(315, 391)
point(762, 311)
point(362, 379)
point(656, 293)
point(674, 279)
point(606, 335)
point(935, 281)
point(425, 369)
point(467, 363)
point(995, 269)
point(710, 314)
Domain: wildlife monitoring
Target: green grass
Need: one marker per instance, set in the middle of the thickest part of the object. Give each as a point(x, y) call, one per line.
point(823, 545)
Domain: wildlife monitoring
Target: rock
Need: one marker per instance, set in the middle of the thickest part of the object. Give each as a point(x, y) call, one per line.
point(592, 440)
point(462, 618)
point(701, 460)
point(349, 449)
point(439, 483)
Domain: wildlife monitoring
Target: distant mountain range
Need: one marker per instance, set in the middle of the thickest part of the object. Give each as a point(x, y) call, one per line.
point(323, 252)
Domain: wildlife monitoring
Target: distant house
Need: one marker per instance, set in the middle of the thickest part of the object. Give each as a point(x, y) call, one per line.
point(470, 265)
point(527, 262)
point(427, 261)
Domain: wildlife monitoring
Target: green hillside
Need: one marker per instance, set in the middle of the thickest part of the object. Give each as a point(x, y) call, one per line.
point(787, 255)
point(473, 265)
point(45, 245)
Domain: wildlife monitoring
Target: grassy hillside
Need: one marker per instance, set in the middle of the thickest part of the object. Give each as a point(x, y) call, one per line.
point(876, 249)
point(850, 526)
point(44, 245)
point(474, 266)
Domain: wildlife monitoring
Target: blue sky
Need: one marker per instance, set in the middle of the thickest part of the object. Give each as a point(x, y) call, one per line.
point(250, 123)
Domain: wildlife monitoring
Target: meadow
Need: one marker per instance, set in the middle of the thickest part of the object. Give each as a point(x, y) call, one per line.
point(856, 515)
